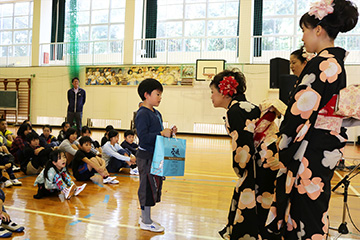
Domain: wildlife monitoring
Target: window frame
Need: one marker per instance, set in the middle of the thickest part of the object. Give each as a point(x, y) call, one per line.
point(13, 45)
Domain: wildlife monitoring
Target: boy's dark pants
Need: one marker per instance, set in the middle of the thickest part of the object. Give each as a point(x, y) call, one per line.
point(150, 185)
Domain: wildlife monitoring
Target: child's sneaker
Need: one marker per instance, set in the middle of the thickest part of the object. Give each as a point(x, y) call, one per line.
point(153, 227)
point(134, 171)
point(79, 189)
point(140, 220)
point(114, 181)
point(69, 191)
point(12, 226)
point(16, 182)
point(7, 183)
point(15, 168)
point(108, 179)
point(4, 233)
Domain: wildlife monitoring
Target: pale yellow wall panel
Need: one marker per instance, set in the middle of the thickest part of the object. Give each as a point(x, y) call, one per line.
point(182, 106)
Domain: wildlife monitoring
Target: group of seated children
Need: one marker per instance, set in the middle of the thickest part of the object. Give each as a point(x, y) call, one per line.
point(49, 157)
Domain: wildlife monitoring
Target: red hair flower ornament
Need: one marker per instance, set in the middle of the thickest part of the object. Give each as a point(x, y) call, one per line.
point(228, 86)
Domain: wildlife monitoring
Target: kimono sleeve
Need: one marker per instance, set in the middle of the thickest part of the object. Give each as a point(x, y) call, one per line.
point(242, 137)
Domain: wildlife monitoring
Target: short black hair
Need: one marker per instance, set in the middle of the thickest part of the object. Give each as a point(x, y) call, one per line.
point(299, 54)
point(75, 78)
point(23, 127)
point(84, 129)
point(108, 128)
point(54, 155)
point(32, 136)
point(84, 140)
point(26, 121)
point(129, 132)
point(2, 120)
point(64, 123)
point(147, 86)
point(47, 126)
point(113, 133)
point(69, 132)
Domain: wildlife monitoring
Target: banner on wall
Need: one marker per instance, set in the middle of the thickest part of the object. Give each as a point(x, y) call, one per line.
point(133, 75)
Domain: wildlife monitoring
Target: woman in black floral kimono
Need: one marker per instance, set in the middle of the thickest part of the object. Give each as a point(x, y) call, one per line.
point(250, 202)
point(311, 136)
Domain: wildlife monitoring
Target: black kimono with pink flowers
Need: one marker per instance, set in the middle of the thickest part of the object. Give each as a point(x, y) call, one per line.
point(253, 194)
point(310, 141)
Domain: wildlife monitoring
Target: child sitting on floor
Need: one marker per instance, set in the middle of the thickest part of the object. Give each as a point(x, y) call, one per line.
point(69, 145)
point(55, 178)
point(85, 163)
point(105, 138)
point(33, 157)
point(95, 146)
point(64, 127)
point(128, 143)
point(116, 157)
point(7, 165)
point(47, 139)
point(7, 226)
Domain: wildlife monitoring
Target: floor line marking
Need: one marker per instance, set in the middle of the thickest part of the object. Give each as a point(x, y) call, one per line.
point(106, 199)
point(207, 175)
point(25, 176)
point(186, 173)
point(99, 184)
point(105, 222)
point(197, 183)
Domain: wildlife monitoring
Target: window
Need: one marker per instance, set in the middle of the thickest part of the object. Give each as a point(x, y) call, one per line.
point(281, 23)
point(16, 31)
point(99, 21)
point(281, 31)
point(193, 20)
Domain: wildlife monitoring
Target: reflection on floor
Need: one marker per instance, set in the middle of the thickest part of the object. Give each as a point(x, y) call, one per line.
point(194, 206)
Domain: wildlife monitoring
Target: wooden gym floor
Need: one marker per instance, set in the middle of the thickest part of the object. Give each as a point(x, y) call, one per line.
point(194, 206)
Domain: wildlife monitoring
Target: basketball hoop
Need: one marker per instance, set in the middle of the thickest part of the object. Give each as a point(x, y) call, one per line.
point(209, 76)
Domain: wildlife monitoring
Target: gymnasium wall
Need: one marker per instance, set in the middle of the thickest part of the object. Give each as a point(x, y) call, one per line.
point(181, 105)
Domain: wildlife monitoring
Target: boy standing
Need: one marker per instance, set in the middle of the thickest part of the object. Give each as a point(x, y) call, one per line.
point(148, 125)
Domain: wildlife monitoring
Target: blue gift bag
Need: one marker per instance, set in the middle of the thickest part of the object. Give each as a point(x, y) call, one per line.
point(169, 157)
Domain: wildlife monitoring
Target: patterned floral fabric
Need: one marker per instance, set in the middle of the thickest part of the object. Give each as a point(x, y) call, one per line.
point(308, 155)
point(348, 102)
point(253, 193)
